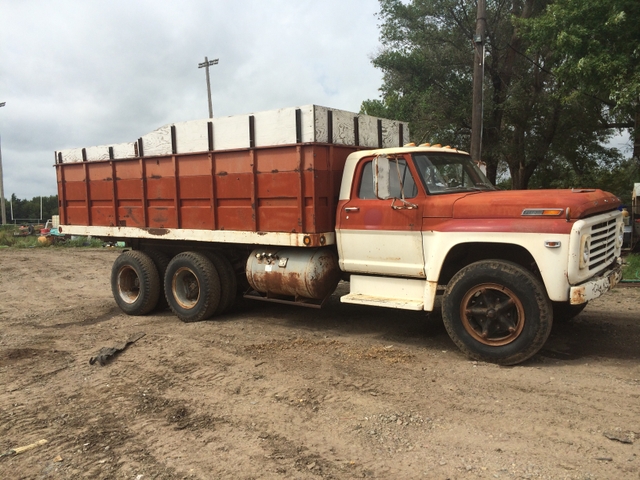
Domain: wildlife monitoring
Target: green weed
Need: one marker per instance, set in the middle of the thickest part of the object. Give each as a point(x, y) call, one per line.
point(631, 269)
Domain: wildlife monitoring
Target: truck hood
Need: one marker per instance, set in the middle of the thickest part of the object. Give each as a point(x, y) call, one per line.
point(510, 203)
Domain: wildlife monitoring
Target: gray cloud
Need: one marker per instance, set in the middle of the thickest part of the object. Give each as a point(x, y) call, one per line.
point(77, 73)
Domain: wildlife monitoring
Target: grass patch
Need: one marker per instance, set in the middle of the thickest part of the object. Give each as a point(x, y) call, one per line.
point(81, 242)
point(8, 239)
point(631, 269)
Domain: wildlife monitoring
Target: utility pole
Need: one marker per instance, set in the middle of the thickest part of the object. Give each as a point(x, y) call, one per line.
point(478, 77)
point(206, 64)
point(4, 213)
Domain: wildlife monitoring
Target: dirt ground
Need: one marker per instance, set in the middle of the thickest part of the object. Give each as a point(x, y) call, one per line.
point(272, 391)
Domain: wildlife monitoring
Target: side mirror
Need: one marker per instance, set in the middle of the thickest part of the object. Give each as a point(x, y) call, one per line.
point(381, 177)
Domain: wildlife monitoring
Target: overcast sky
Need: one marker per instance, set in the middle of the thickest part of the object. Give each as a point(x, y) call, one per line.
point(84, 73)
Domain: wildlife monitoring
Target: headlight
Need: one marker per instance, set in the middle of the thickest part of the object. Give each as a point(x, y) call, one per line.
point(585, 244)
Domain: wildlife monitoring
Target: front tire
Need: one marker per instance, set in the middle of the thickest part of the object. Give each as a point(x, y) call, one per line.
point(496, 311)
point(192, 286)
point(135, 283)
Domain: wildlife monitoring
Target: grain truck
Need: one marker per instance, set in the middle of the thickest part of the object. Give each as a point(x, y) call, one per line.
point(282, 205)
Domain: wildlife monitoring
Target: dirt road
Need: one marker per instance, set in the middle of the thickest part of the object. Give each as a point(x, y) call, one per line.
point(271, 391)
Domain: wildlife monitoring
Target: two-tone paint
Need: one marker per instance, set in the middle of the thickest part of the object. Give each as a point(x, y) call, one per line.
point(423, 247)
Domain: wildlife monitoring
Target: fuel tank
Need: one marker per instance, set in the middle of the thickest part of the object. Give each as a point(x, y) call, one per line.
point(298, 272)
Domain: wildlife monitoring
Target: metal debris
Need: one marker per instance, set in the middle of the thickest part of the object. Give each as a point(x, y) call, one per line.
point(105, 353)
point(622, 437)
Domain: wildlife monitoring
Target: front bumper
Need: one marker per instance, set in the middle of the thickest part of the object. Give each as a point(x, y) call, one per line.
point(597, 286)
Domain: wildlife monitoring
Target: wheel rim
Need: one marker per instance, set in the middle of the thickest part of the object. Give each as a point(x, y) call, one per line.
point(492, 314)
point(128, 284)
point(185, 288)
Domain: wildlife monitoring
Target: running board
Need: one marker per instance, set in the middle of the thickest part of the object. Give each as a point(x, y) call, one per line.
point(359, 299)
point(401, 293)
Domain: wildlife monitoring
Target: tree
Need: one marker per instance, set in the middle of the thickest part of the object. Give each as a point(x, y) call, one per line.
point(426, 59)
point(597, 43)
point(29, 210)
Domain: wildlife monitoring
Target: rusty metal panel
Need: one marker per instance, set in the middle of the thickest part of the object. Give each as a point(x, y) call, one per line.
point(290, 189)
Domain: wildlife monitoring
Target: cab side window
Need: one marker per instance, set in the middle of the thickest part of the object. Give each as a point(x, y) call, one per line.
point(366, 182)
point(400, 178)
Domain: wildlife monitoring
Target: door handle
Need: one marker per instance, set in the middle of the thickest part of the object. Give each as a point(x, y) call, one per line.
point(352, 209)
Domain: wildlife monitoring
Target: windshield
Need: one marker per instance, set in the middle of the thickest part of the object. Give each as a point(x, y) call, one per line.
point(448, 173)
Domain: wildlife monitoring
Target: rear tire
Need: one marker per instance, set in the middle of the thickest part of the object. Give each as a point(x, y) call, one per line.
point(161, 261)
point(228, 282)
point(497, 311)
point(135, 283)
point(192, 286)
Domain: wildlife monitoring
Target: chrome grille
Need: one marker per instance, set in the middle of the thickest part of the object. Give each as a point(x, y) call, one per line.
point(602, 248)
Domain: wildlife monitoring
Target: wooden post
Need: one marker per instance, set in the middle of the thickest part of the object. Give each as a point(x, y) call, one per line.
point(478, 76)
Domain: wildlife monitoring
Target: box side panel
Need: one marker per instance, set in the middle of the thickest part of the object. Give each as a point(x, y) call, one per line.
point(276, 127)
point(321, 124)
point(157, 142)
point(124, 150)
point(97, 153)
point(290, 189)
point(231, 132)
point(101, 193)
point(368, 131)
point(192, 136)
point(344, 127)
point(129, 185)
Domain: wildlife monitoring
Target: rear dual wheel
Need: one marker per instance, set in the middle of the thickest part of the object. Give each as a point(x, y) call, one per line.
point(161, 261)
point(135, 283)
point(192, 286)
point(198, 286)
point(228, 281)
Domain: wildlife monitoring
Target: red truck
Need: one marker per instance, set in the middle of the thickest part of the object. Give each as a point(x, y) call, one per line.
point(282, 205)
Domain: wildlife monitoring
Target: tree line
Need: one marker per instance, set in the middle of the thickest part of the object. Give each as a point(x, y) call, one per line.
point(561, 79)
point(23, 211)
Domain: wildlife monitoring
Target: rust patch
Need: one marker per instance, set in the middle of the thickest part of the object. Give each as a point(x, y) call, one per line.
point(315, 277)
point(577, 296)
point(157, 231)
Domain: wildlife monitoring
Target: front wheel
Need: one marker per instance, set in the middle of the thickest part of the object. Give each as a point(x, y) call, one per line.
point(497, 311)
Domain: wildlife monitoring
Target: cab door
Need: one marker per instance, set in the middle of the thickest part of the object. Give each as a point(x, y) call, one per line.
point(382, 236)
